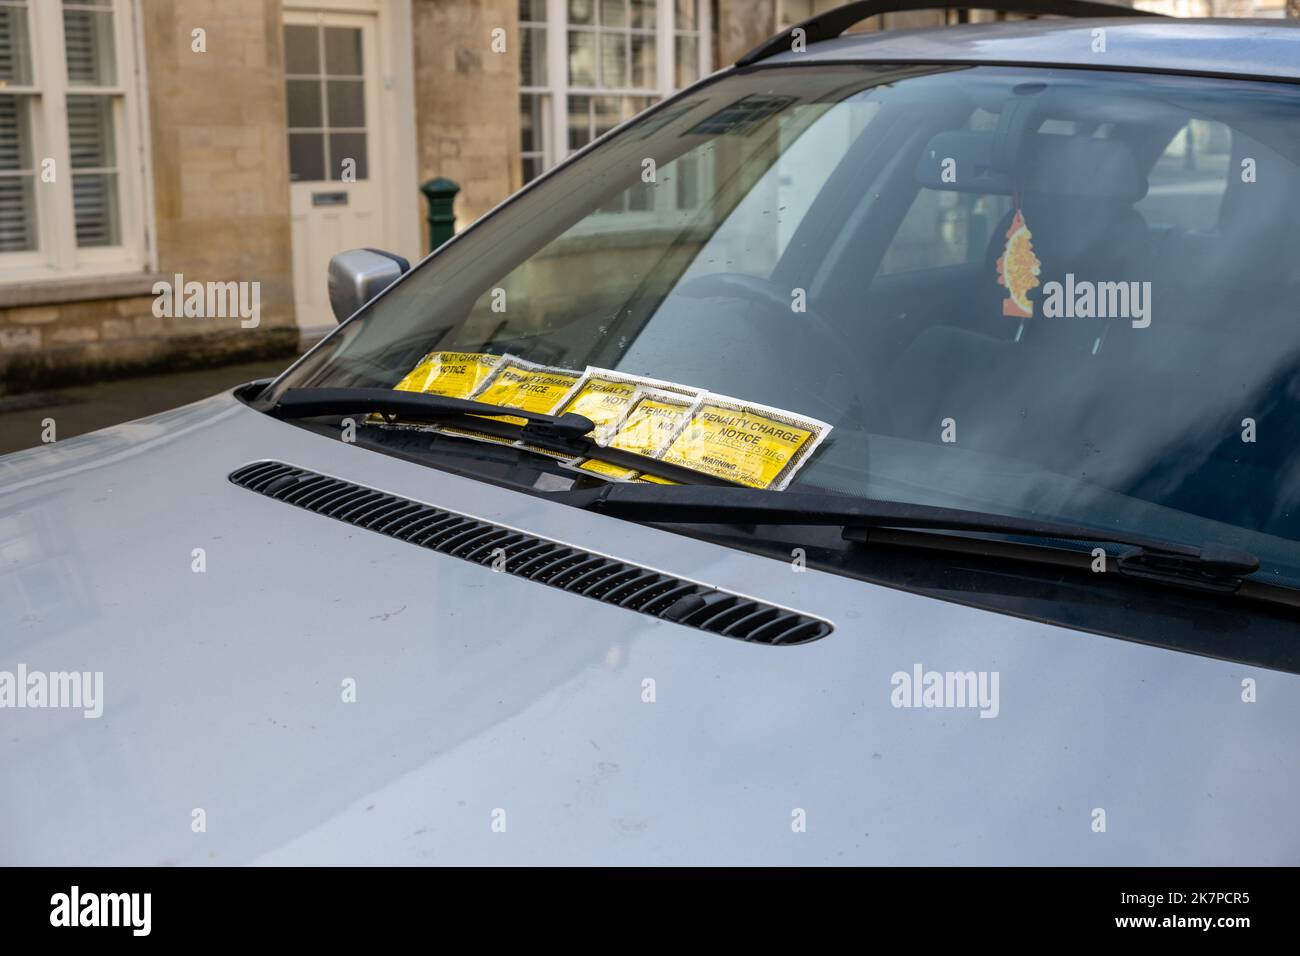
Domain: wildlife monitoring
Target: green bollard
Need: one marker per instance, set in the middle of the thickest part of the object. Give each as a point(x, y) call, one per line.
point(441, 196)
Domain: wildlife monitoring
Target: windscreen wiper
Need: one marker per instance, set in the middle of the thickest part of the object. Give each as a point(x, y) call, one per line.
point(565, 434)
point(1211, 566)
point(420, 407)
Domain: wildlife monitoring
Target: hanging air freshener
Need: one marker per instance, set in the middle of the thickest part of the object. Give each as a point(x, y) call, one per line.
point(1018, 269)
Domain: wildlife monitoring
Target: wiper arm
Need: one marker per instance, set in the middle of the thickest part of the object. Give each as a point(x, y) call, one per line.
point(1212, 565)
point(566, 434)
point(422, 407)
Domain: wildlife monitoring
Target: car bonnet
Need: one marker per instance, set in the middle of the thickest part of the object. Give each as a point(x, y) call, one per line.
point(279, 686)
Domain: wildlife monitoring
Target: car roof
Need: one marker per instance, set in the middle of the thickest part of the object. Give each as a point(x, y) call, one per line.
point(1267, 49)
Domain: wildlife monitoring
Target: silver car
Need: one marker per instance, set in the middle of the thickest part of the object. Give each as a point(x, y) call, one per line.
point(961, 522)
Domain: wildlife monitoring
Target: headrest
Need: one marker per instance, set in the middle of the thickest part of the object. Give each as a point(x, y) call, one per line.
point(1049, 164)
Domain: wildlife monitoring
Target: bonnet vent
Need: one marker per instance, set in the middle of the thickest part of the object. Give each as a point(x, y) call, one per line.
point(536, 559)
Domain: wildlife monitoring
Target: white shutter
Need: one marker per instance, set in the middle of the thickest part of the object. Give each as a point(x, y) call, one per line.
point(88, 44)
point(90, 131)
point(88, 49)
point(94, 177)
point(15, 49)
point(17, 228)
point(17, 222)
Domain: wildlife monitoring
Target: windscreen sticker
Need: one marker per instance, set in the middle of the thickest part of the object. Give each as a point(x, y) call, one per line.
point(750, 444)
point(453, 374)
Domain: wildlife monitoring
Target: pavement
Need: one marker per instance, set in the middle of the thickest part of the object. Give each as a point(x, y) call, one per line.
point(78, 409)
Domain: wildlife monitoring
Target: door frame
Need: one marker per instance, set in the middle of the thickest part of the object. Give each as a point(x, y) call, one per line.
point(394, 126)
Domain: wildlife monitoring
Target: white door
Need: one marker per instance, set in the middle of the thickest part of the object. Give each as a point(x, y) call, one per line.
point(336, 143)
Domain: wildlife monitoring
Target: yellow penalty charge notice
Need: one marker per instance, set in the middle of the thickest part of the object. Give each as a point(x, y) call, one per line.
point(751, 444)
point(652, 419)
point(453, 374)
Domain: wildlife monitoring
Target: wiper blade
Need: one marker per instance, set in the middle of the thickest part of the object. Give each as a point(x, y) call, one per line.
point(565, 434)
point(1211, 565)
point(420, 406)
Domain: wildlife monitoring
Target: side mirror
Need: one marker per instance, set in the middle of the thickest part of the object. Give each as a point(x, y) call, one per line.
point(358, 275)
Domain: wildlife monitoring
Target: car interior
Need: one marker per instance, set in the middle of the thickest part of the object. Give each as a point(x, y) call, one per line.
point(1096, 399)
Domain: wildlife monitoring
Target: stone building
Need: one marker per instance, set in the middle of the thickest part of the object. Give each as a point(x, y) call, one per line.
point(149, 148)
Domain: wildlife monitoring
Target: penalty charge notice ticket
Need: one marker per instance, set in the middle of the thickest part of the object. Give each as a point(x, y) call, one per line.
point(605, 396)
point(516, 383)
point(653, 418)
point(453, 374)
point(750, 444)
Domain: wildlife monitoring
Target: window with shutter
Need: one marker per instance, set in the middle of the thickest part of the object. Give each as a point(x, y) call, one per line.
point(69, 203)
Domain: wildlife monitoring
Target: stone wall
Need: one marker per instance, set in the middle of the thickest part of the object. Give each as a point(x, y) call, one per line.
point(467, 100)
point(221, 197)
point(221, 168)
point(64, 343)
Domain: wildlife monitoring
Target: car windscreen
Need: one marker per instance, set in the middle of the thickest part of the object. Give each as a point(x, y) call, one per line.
point(1061, 293)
